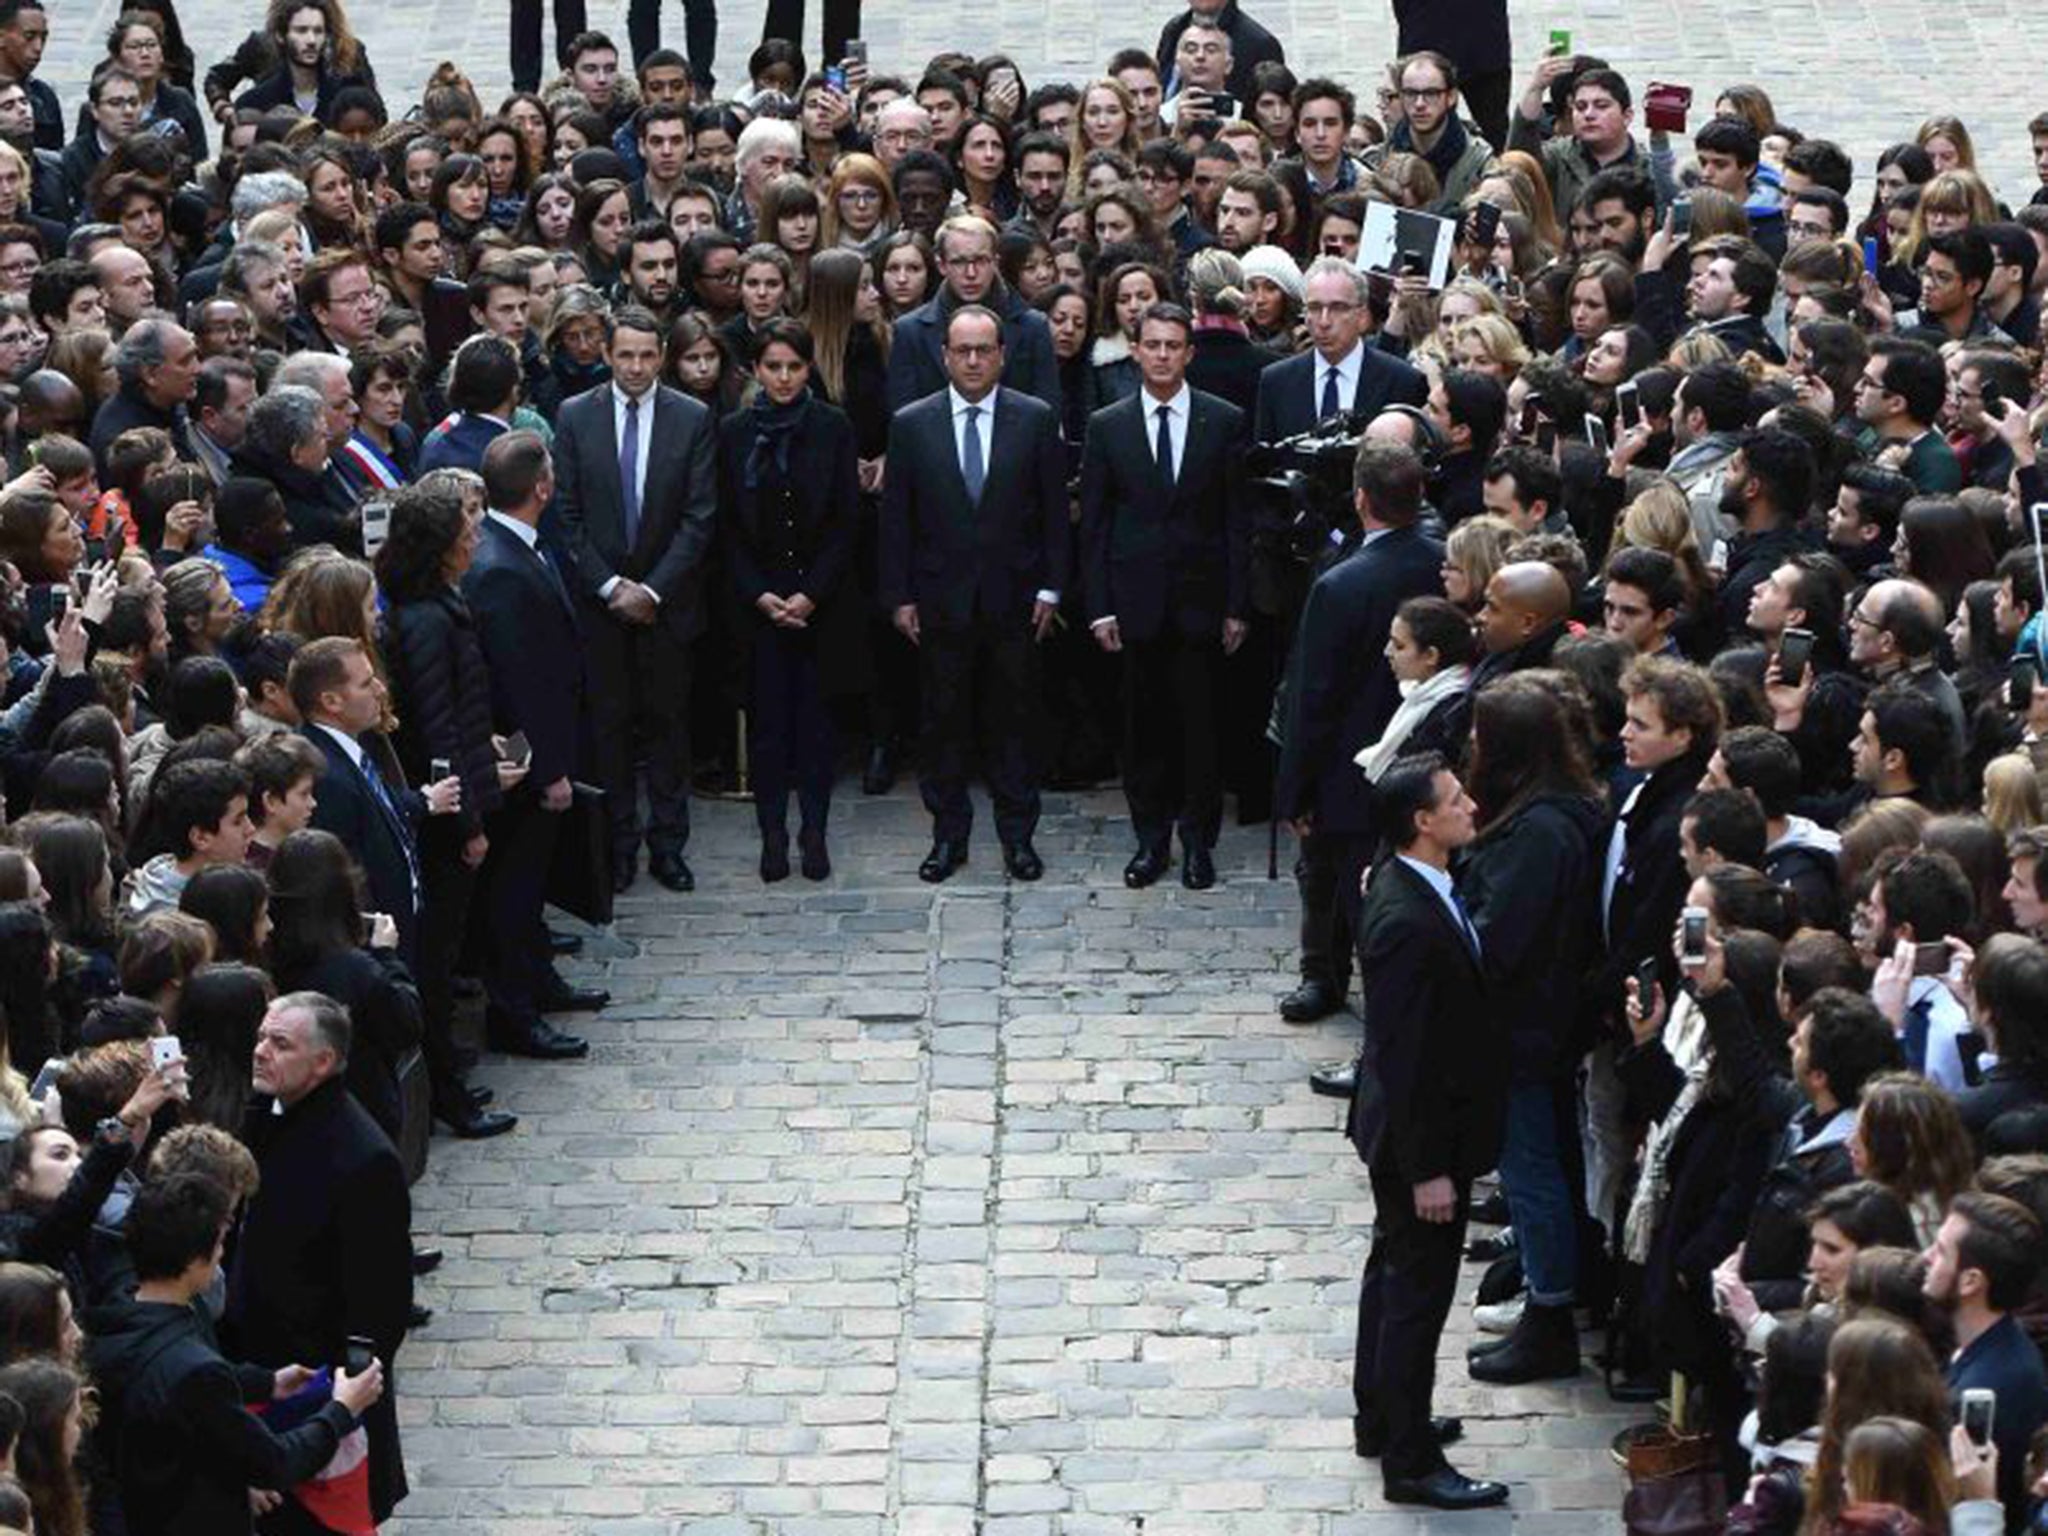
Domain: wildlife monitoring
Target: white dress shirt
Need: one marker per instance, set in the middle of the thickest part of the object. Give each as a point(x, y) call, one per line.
point(1348, 367)
point(1439, 880)
point(646, 435)
point(1179, 410)
point(523, 532)
point(985, 428)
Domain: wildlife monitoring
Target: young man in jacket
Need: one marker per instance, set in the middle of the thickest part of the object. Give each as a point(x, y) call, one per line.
point(173, 1408)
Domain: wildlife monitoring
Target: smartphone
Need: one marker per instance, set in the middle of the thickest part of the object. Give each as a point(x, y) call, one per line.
point(376, 526)
point(1532, 413)
point(835, 78)
point(1870, 254)
point(438, 768)
point(517, 748)
point(856, 50)
point(1681, 218)
point(1410, 264)
point(1994, 399)
point(1646, 986)
point(1482, 223)
point(163, 1050)
point(360, 1354)
point(2023, 675)
point(1628, 407)
point(47, 1078)
point(2037, 519)
point(1546, 435)
point(60, 601)
point(1596, 437)
point(1795, 651)
point(1693, 936)
point(1931, 959)
point(1980, 1407)
point(1560, 41)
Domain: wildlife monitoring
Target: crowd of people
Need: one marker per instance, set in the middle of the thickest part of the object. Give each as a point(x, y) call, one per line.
point(401, 488)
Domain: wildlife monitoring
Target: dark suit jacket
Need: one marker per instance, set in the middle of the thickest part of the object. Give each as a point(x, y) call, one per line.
point(678, 503)
point(379, 841)
point(958, 561)
point(1229, 364)
point(1290, 392)
point(917, 364)
point(1340, 691)
point(533, 643)
point(1250, 46)
point(1157, 556)
point(803, 544)
point(1432, 1080)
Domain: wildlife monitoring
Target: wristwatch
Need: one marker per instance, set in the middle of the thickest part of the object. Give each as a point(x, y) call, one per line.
point(112, 1129)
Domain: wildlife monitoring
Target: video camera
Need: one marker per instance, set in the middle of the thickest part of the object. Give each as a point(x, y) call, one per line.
point(1302, 496)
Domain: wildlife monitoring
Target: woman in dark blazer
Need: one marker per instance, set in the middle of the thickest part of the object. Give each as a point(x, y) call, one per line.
point(792, 506)
point(442, 694)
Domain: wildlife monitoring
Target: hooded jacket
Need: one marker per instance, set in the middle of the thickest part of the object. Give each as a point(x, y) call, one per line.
point(173, 1425)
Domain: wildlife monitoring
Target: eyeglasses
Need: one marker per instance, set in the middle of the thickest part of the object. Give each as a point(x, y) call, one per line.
point(973, 349)
point(967, 263)
point(1424, 94)
point(1321, 311)
point(860, 195)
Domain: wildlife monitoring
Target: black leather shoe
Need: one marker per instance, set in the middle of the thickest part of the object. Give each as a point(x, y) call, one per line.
point(1022, 860)
point(1147, 866)
point(419, 1316)
point(879, 777)
point(425, 1260)
point(1337, 1081)
point(563, 998)
point(564, 943)
point(774, 859)
point(539, 1040)
point(472, 1122)
point(1310, 1001)
point(1543, 1347)
point(940, 863)
point(1446, 1488)
point(1496, 1245)
point(670, 870)
point(812, 858)
point(1197, 869)
point(479, 1096)
point(1370, 1440)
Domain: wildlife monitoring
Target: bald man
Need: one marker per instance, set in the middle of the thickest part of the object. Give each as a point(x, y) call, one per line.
point(1895, 631)
point(1519, 625)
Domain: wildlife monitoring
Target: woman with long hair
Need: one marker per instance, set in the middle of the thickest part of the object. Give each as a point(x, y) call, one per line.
point(36, 1318)
point(1124, 296)
point(219, 1013)
point(1940, 545)
point(234, 901)
point(53, 1404)
point(789, 221)
point(980, 155)
point(1899, 1464)
point(509, 168)
point(1107, 119)
point(319, 942)
point(1910, 1138)
point(699, 365)
point(70, 854)
point(1877, 1366)
point(460, 197)
point(859, 203)
point(905, 271)
point(443, 693)
point(604, 212)
point(787, 468)
point(547, 219)
point(337, 207)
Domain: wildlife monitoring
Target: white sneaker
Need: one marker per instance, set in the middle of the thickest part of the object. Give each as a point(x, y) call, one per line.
point(1501, 1316)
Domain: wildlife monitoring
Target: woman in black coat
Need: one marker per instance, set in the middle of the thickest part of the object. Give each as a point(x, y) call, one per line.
point(442, 694)
point(318, 944)
point(792, 506)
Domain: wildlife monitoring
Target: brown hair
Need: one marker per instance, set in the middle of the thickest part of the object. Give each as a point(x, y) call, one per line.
point(1878, 1366)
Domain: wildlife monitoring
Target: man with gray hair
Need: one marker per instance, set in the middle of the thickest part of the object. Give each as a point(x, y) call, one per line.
point(259, 274)
point(900, 126)
point(1343, 373)
point(158, 361)
point(286, 444)
point(328, 377)
point(769, 147)
point(261, 191)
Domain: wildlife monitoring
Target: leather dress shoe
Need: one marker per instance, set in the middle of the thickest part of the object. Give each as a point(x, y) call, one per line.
point(1446, 1488)
point(419, 1316)
point(1022, 860)
point(1197, 869)
point(470, 1121)
point(1145, 867)
point(539, 1040)
point(560, 943)
point(1370, 1440)
point(940, 863)
point(425, 1260)
point(879, 777)
point(479, 1096)
point(1339, 1080)
point(670, 870)
point(812, 858)
point(561, 997)
point(774, 859)
point(1310, 1001)
point(1495, 1245)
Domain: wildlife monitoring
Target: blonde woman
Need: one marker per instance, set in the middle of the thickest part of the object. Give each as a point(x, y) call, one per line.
point(2012, 793)
point(1489, 344)
point(1107, 119)
point(1660, 518)
point(1476, 549)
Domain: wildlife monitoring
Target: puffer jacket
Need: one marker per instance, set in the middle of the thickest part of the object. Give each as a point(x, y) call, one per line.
point(442, 693)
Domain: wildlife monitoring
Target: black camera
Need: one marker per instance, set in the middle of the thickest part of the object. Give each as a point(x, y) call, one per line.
point(1301, 489)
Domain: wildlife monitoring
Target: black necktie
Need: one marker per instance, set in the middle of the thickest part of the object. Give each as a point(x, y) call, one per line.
point(1165, 450)
point(1331, 403)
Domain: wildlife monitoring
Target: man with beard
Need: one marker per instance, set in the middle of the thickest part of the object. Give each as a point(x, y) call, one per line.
point(1764, 494)
point(1980, 1268)
point(1617, 213)
point(1042, 161)
point(652, 261)
point(257, 273)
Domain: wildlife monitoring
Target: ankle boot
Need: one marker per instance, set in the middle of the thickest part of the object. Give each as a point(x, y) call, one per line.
point(817, 863)
point(774, 857)
point(1543, 1347)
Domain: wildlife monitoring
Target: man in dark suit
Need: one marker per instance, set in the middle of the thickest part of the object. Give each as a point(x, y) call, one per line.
point(323, 1254)
point(974, 549)
point(967, 256)
point(364, 802)
point(1166, 540)
point(1343, 373)
point(526, 622)
point(637, 477)
point(1427, 1119)
point(1340, 696)
point(1250, 44)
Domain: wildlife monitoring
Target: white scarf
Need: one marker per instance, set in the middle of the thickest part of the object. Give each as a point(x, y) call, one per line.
point(1685, 1039)
point(1417, 700)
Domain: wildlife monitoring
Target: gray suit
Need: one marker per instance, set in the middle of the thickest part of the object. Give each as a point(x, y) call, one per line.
point(640, 673)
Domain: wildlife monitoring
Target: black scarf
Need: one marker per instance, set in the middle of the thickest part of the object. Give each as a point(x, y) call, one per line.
point(1449, 147)
point(774, 425)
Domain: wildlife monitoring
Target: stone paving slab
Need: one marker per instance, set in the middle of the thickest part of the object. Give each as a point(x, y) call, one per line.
point(878, 1209)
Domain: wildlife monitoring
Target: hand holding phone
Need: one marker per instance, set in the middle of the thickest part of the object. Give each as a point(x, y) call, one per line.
point(1795, 652)
point(1693, 937)
point(1980, 1410)
point(517, 749)
point(164, 1051)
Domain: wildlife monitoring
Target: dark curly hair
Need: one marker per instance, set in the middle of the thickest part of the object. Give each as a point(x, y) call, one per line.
point(426, 521)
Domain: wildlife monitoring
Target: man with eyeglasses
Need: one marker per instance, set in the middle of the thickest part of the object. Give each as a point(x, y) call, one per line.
point(1201, 72)
point(1342, 373)
point(1898, 398)
point(1953, 275)
point(1430, 127)
point(1816, 213)
point(20, 258)
point(900, 127)
point(1164, 169)
point(116, 101)
point(1250, 44)
point(342, 300)
point(1473, 36)
point(974, 550)
point(1985, 377)
point(966, 248)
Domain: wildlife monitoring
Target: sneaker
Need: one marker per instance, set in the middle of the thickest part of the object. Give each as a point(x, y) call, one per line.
point(1502, 1316)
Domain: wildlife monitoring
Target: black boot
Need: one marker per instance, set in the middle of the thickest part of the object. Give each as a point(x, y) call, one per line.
point(817, 863)
point(774, 856)
point(1543, 1347)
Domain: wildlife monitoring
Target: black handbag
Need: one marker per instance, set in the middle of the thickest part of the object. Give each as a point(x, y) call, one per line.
point(580, 876)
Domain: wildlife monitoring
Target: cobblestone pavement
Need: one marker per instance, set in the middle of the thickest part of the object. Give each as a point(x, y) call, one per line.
point(1864, 71)
point(880, 1209)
